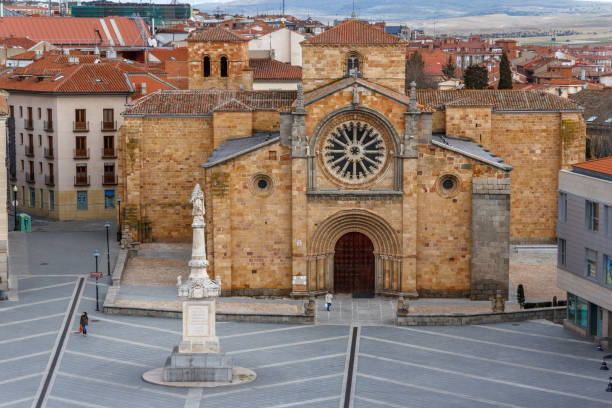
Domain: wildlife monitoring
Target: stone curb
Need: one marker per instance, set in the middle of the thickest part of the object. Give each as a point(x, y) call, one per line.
point(221, 317)
point(554, 314)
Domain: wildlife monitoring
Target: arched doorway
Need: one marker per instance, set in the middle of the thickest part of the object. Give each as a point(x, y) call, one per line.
point(354, 267)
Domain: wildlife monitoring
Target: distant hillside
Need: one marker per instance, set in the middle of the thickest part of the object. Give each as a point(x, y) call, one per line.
point(402, 10)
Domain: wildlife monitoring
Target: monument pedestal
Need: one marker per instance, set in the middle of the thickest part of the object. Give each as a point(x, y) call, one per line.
point(198, 367)
point(198, 358)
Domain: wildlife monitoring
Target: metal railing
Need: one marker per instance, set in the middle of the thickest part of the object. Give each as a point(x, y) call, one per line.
point(49, 180)
point(28, 124)
point(110, 179)
point(80, 126)
point(29, 177)
point(81, 153)
point(49, 153)
point(109, 153)
point(81, 180)
point(108, 126)
point(29, 150)
point(48, 125)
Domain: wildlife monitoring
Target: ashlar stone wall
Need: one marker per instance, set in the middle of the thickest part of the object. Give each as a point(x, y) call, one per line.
point(249, 228)
point(239, 74)
point(382, 64)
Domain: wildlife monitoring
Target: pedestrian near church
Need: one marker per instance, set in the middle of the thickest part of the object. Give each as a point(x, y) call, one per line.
point(328, 300)
point(84, 322)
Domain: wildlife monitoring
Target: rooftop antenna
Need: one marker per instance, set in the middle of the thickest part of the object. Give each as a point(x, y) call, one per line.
point(283, 8)
point(353, 14)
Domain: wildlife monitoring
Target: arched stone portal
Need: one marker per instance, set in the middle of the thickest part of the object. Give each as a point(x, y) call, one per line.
point(384, 241)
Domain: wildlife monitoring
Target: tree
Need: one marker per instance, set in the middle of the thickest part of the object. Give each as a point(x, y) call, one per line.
point(520, 295)
point(505, 73)
point(415, 71)
point(476, 77)
point(449, 68)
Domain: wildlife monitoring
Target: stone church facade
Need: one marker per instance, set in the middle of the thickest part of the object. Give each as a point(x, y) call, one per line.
point(348, 185)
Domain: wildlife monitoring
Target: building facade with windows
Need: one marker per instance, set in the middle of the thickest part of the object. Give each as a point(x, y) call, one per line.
point(584, 230)
point(64, 138)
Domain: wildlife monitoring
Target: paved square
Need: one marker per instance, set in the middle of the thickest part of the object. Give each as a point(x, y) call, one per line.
point(531, 364)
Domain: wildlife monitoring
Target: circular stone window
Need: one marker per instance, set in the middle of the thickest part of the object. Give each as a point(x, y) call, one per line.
point(354, 152)
point(261, 184)
point(448, 185)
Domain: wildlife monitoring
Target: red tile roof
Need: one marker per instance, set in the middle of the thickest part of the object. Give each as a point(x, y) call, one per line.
point(269, 69)
point(175, 54)
point(103, 32)
point(233, 105)
point(353, 32)
point(28, 55)
point(80, 78)
point(202, 102)
point(506, 100)
point(13, 42)
point(215, 34)
point(603, 166)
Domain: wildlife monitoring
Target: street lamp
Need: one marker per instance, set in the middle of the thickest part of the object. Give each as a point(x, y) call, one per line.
point(120, 226)
point(96, 254)
point(15, 205)
point(107, 226)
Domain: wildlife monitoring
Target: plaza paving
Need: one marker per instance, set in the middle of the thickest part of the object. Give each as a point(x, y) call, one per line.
point(531, 364)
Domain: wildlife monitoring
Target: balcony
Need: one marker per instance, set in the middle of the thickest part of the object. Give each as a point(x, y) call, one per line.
point(81, 180)
point(80, 126)
point(49, 153)
point(29, 150)
point(110, 180)
point(29, 177)
point(108, 126)
point(109, 153)
point(49, 180)
point(28, 124)
point(80, 154)
point(48, 125)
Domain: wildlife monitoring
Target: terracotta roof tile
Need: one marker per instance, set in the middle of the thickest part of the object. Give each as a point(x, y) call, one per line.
point(202, 102)
point(597, 106)
point(215, 34)
point(233, 105)
point(79, 31)
point(175, 54)
point(81, 78)
point(353, 32)
point(507, 100)
point(269, 69)
point(13, 42)
point(603, 166)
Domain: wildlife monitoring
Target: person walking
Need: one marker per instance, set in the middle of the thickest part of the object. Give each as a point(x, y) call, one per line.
point(328, 300)
point(84, 322)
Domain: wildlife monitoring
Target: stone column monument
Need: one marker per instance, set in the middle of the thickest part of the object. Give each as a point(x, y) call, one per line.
point(199, 360)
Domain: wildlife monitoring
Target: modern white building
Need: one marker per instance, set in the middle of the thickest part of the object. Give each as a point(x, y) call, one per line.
point(282, 45)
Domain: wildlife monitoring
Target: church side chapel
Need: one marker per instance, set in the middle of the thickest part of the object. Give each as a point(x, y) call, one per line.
point(348, 184)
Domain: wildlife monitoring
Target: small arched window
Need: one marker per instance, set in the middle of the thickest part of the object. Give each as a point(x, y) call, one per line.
point(223, 66)
point(206, 67)
point(352, 64)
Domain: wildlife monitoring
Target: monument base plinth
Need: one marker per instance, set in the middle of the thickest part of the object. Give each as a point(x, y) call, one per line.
point(240, 376)
point(198, 367)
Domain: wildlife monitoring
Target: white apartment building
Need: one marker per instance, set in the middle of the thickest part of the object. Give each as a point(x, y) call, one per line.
point(65, 125)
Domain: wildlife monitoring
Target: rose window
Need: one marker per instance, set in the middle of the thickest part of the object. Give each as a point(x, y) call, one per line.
point(354, 152)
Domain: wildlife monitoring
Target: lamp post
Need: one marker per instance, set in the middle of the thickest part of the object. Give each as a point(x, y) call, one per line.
point(107, 226)
point(120, 226)
point(15, 205)
point(96, 254)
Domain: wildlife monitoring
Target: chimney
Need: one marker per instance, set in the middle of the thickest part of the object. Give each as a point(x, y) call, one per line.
point(143, 88)
point(66, 51)
point(37, 54)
